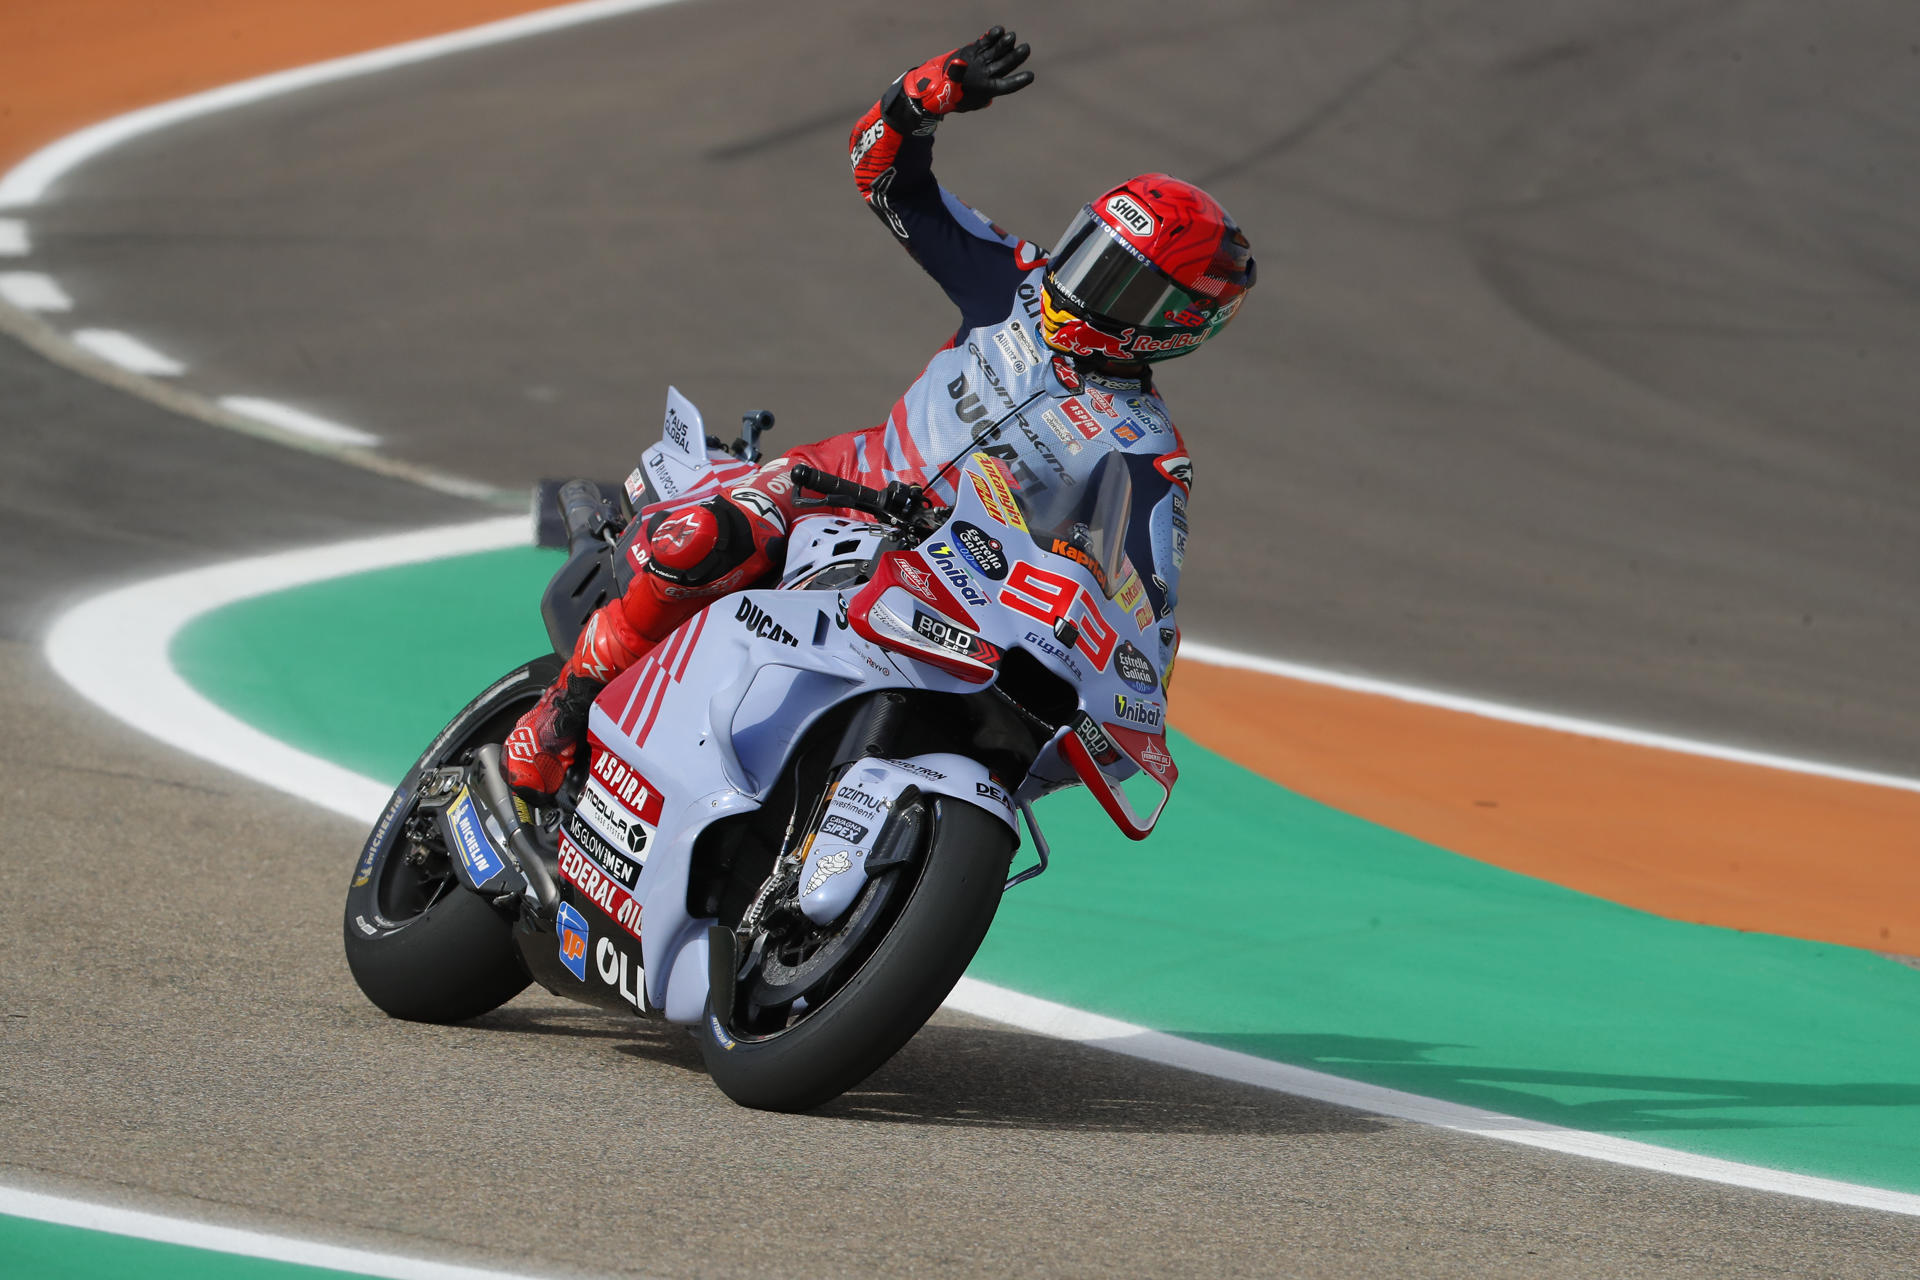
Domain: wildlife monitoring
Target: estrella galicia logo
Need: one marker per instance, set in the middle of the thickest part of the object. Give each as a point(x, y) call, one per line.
point(572, 927)
point(1137, 710)
point(1133, 667)
point(476, 853)
point(982, 551)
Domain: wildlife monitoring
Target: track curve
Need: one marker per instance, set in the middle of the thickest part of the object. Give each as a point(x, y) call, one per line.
point(459, 259)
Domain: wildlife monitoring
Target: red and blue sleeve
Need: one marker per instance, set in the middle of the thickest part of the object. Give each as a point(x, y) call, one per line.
point(975, 262)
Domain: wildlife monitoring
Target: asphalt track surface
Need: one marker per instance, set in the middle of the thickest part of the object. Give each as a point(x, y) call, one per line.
point(1586, 344)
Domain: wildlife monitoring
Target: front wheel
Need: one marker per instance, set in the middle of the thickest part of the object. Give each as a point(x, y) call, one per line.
point(420, 945)
point(865, 1020)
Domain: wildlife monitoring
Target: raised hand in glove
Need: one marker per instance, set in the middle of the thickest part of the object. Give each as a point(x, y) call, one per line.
point(969, 77)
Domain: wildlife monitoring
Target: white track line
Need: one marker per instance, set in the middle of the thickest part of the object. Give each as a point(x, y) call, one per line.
point(128, 352)
point(299, 421)
point(1215, 656)
point(115, 650)
point(14, 242)
point(33, 291)
point(28, 182)
point(89, 647)
point(249, 1244)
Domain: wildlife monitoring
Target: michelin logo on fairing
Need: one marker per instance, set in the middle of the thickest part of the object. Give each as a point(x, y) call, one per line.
point(476, 853)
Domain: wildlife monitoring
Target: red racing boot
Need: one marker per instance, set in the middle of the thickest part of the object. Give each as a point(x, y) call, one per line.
point(694, 554)
point(541, 748)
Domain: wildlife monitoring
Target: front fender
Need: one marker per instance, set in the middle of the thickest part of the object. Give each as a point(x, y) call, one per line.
point(863, 800)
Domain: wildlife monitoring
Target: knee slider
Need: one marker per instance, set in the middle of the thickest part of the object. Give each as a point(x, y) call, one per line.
point(697, 546)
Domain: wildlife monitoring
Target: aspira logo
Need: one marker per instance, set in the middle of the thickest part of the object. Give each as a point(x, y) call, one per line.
point(1131, 216)
point(761, 623)
point(1137, 710)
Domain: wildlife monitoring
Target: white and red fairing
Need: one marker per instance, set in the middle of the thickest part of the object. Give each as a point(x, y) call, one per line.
point(702, 727)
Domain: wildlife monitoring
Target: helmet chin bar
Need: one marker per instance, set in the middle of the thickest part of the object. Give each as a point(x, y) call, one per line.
point(1109, 368)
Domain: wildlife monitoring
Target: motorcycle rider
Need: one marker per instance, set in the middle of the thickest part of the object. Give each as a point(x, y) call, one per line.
point(1148, 271)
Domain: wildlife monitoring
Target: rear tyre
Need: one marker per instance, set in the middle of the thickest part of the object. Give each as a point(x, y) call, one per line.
point(866, 1020)
point(420, 945)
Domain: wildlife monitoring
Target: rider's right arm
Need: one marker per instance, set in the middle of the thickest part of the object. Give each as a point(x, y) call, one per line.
point(975, 262)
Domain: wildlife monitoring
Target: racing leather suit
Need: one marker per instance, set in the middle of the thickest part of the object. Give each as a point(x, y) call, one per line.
point(995, 367)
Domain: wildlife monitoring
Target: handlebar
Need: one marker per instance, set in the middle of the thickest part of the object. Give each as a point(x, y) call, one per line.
point(584, 512)
point(899, 504)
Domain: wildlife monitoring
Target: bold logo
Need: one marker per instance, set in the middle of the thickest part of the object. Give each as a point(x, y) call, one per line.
point(1132, 666)
point(982, 551)
point(958, 639)
point(1097, 743)
point(760, 623)
point(1137, 711)
point(1130, 215)
point(611, 963)
point(1082, 420)
point(843, 829)
point(572, 927)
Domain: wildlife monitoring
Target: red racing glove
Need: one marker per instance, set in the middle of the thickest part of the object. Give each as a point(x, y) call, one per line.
point(969, 77)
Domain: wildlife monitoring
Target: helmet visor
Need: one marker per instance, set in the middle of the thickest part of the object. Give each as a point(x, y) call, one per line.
point(1112, 282)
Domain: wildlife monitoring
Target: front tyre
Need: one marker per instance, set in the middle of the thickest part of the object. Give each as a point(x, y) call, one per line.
point(420, 945)
point(909, 972)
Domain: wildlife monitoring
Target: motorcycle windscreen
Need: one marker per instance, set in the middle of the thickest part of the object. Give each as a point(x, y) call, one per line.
point(1093, 524)
point(1098, 753)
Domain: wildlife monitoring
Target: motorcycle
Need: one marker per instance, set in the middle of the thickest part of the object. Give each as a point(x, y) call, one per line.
point(795, 818)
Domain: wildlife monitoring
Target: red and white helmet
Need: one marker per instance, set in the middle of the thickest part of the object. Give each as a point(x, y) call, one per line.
point(1149, 271)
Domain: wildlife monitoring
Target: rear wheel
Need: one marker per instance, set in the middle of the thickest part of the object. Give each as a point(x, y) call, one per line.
point(821, 1010)
point(421, 946)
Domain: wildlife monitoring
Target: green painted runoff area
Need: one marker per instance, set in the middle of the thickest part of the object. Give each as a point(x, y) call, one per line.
point(49, 1251)
point(1254, 919)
